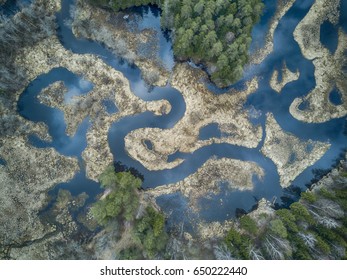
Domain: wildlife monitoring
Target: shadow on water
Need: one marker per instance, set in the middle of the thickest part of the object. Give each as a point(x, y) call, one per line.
point(149, 17)
point(259, 31)
point(230, 200)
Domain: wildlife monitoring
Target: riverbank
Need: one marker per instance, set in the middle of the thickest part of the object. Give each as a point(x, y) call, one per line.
point(287, 77)
point(291, 155)
point(108, 84)
point(119, 32)
point(209, 178)
point(42, 226)
point(312, 228)
point(261, 54)
point(202, 108)
point(329, 73)
point(29, 173)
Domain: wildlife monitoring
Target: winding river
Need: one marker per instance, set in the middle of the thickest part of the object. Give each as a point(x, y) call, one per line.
point(265, 100)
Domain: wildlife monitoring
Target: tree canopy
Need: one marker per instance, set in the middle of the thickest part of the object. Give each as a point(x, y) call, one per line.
point(215, 33)
point(315, 227)
point(121, 203)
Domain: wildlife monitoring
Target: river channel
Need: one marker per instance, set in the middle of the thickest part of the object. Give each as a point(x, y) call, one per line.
point(264, 100)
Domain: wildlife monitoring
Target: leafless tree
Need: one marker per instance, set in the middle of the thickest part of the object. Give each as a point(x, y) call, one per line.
point(255, 253)
point(167, 19)
point(175, 248)
point(222, 252)
point(339, 250)
point(273, 250)
point(309, 239)
point(328, 208)
point(276, 247)
point(141, 211)
point(324, 220)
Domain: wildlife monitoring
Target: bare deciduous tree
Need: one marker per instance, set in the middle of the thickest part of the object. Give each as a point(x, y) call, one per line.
point(222, 252)
point(276, 247)
point(255, 254)
point(308, 238)
point(324, 220)
point(328, 208)
point(273, 250)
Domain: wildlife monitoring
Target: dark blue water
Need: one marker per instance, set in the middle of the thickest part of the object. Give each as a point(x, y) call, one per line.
point(2, 162)
point(54, 118)
point(149, 144)
point(260, 30)
point(335, 97)
point(265, 100)
point(110, 107)
point(150, 18)
point(343, 15)
point(78, 185)
point(329, 36)
point(210, 131)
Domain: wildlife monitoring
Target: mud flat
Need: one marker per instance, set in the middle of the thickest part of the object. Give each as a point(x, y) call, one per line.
point(283, 7)
point(329, 72)
point(112, 30)
point(235, 173)
point(108, 84)
point(287, 77)
point(202, 108)
point(291, 155)
point(25, 179)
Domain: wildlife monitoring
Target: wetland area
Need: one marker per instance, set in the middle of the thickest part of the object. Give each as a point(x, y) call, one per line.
point(99, 88)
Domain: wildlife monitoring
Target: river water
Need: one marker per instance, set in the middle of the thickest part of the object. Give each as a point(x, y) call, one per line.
point(218, 207)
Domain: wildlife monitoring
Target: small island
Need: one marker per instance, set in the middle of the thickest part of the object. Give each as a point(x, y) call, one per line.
point(173, 129)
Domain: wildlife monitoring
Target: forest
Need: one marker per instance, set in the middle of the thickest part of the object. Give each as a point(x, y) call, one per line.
point(123, 209)
point(216, 34)
point(315, 227)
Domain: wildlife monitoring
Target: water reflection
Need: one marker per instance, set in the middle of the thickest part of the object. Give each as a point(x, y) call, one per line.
point(223, 205)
